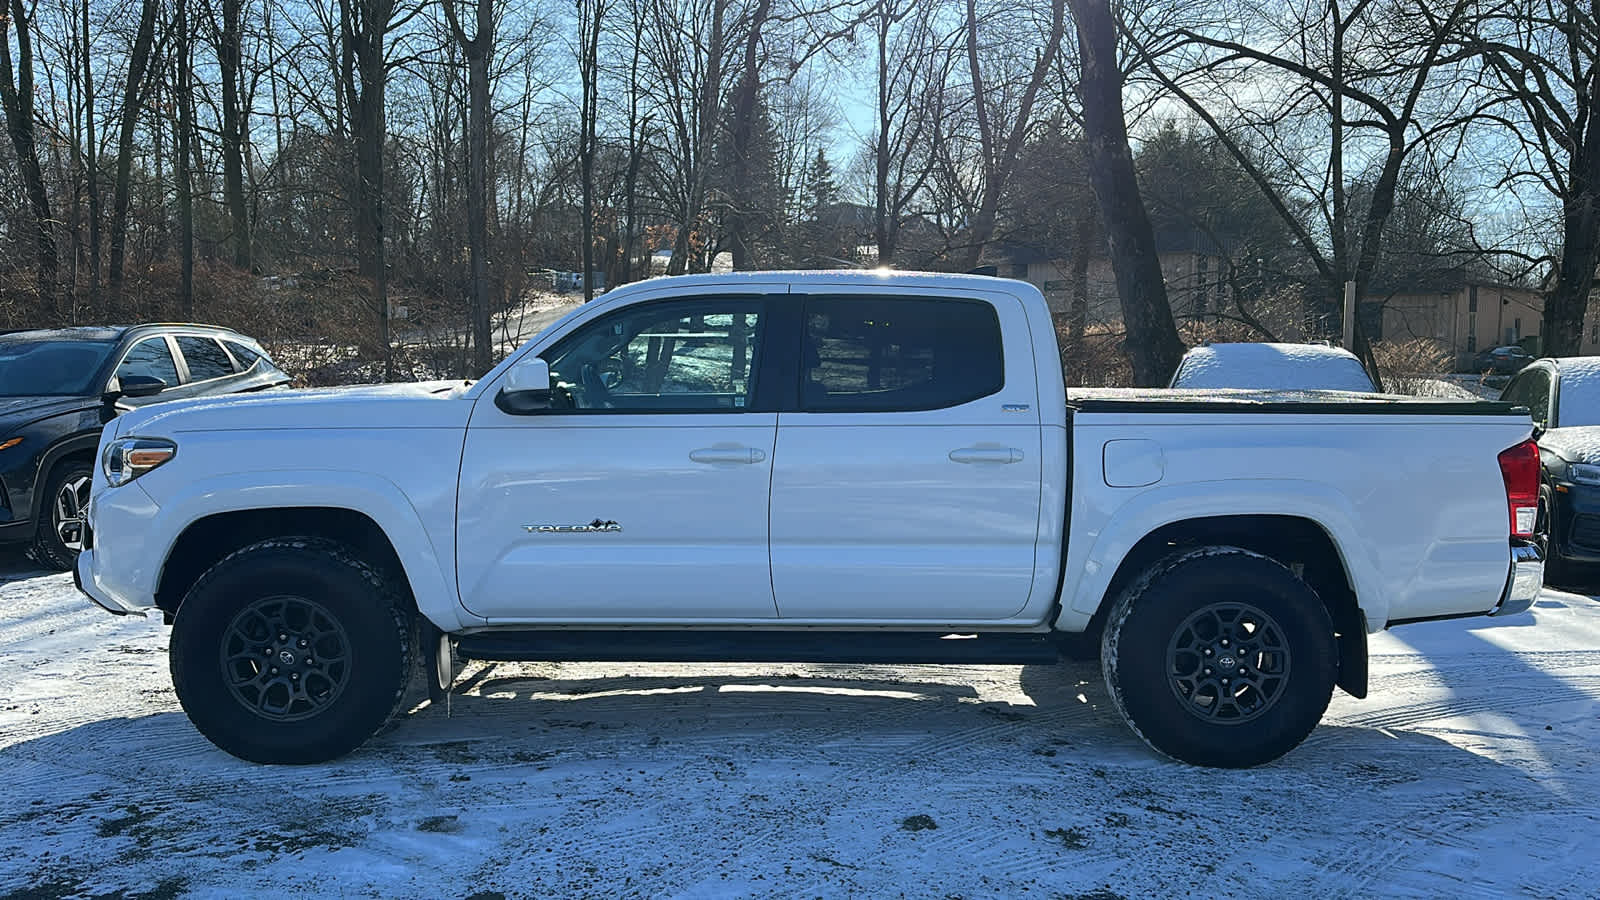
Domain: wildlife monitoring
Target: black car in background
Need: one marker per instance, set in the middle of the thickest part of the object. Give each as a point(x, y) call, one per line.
point(1508, 360)
point(57, 388)
point(1563, 397)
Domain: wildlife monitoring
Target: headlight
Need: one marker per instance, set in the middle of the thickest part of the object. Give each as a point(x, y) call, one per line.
point(127, 458)
point(1583, 474)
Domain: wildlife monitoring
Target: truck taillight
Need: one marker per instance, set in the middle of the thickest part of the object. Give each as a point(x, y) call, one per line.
point(1519, 467)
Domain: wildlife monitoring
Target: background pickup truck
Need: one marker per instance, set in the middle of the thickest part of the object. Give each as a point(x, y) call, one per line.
point(810, 468)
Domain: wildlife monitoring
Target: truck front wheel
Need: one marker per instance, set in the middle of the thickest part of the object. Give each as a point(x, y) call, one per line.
point(291, 650)
point(1220, 657)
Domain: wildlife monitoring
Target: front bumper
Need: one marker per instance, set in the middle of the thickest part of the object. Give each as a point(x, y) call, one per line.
point(83, 577)
point(120, 567)
point(1575, 523)
point(1524, 582)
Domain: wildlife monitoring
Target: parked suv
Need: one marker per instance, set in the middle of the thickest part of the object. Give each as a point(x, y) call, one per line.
point(57, 388)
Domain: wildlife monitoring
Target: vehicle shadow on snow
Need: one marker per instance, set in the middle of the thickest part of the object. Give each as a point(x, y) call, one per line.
point(580, 748)
point(16, 566)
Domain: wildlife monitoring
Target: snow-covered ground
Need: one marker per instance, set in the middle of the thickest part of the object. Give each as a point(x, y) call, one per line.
point(1470, 772)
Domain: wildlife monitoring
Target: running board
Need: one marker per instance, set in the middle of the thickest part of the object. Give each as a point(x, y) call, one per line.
point(639, 645)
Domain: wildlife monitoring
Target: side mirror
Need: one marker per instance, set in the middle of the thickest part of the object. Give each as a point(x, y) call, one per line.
point(526, 389)
point(142, 386)
point(133, 386)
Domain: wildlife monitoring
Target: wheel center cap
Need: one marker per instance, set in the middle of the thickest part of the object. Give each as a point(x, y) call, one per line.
point(1227, 662)
point(286, 657)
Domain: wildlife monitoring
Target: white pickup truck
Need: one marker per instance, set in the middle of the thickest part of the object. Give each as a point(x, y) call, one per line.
point(807, 467)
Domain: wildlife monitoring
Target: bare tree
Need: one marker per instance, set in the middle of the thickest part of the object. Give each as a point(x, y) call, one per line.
point(1367, 77)
point(183, 87)
point(228, 39)
point(1000, 142)
point(477, 49)
point(133, 90)
point(16, 95)
point(591, 13)
point(1544, 56)
point(364, 26)
point(1153, 344)
point(908, 62)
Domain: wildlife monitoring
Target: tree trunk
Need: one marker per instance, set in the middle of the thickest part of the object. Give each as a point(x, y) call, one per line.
point(477, 50)
point(132, 99)
point(1152, 337)
point(16, 95)
point(233, 128)
point(744, 109)
point(591, 14)
point(184, 74)
point(91, 169)
point(364, 74)
point(1568, 300)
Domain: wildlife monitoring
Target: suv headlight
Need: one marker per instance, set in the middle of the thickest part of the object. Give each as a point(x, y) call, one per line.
point(1584, 474)
point(127, 458)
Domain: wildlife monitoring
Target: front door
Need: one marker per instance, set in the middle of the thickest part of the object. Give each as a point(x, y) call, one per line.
point(642, 494)
point(907, 485)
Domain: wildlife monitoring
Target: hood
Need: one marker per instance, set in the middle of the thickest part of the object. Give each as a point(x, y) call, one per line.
point(1579, 444)
point(16, 412)
point(431, 405)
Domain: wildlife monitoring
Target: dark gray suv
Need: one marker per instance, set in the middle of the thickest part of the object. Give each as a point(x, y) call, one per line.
point(57, 388)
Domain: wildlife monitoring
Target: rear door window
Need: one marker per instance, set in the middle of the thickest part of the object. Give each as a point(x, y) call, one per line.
point(206, 358)
point(152, 358)
point(246, 356)
point(898, 354)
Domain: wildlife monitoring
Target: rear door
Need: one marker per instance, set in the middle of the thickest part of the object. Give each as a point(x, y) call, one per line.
point(906, 486)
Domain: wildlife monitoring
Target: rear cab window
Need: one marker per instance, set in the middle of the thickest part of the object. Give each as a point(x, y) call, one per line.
point(879, 354)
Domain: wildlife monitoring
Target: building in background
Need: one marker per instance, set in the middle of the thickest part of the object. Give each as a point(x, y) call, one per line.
point(1466, 315)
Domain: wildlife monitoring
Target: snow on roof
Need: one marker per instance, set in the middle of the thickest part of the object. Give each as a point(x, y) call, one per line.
point(1579, 400)
point(1295, 367)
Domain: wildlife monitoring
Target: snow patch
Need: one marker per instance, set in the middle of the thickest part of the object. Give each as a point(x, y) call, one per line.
point(1272, 366)
point(1471, 768)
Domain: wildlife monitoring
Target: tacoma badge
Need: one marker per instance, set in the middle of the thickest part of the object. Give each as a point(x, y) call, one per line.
point(595, 526)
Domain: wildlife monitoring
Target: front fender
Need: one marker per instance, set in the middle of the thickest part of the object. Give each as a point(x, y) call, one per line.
point(1092, 563)
point(430, 573)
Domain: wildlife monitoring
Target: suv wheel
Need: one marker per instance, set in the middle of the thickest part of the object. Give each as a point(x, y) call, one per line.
point(291, 650)
point(58, 536)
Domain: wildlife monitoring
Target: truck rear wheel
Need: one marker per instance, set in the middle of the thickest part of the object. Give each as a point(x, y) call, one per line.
point(291, 650)
point(1220, 657)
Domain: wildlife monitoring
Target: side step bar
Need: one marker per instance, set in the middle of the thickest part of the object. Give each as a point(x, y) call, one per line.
point(639, 645)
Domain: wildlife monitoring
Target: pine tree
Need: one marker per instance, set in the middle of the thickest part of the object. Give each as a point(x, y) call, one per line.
point(820, 190)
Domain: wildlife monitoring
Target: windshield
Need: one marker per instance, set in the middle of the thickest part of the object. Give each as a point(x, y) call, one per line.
point(50, 368)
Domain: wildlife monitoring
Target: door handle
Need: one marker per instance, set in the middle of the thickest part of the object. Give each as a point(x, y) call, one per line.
point(995, 455)
point(744, 455)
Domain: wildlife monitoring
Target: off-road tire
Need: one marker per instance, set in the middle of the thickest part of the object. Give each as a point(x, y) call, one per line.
point(47, 549)
point(356, 597)
point(1151, 617)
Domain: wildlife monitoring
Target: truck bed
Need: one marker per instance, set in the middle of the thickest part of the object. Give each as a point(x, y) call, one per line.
point(1168, 400)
